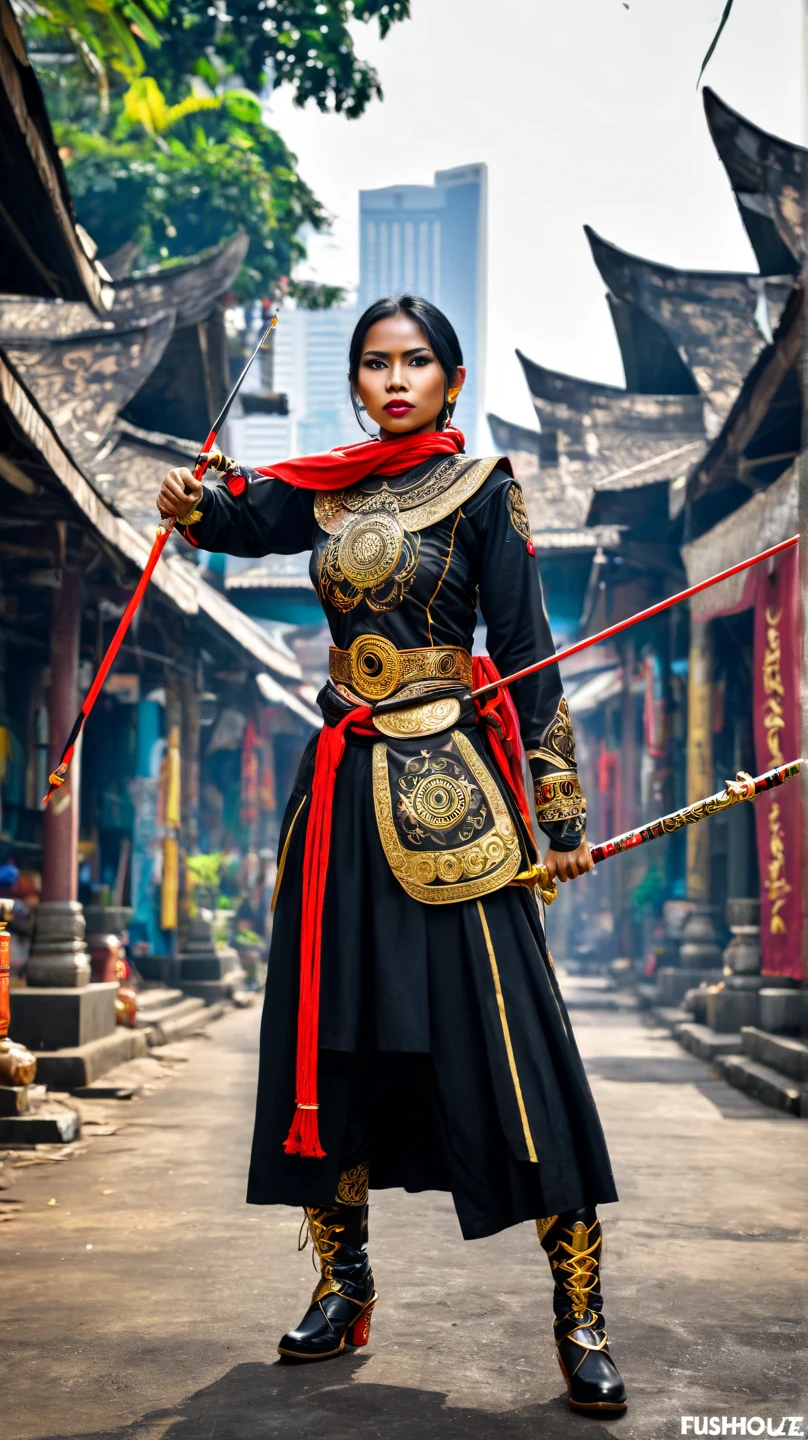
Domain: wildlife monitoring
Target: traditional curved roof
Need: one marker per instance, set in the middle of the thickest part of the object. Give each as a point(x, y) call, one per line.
point(712, 318)
point(83, 381)
point(584, 408)
point(566, 390)
point(190, 288)
point(597, 431)
point(762, 434)
point(510, 437)
point(651, 363)
point(770, 179)
point(43, 250)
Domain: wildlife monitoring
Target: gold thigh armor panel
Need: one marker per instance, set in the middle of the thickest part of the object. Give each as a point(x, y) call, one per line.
point(444, 826)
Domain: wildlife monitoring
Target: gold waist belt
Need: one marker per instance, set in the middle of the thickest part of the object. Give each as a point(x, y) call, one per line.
point(374, 669)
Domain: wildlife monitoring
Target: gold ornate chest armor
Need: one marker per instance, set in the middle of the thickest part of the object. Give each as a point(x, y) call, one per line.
point(373, 545)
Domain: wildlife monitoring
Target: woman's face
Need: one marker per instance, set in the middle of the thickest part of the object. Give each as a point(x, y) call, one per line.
point(400, 382)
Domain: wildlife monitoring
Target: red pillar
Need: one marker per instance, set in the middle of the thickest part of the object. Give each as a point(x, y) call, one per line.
point(60, 839)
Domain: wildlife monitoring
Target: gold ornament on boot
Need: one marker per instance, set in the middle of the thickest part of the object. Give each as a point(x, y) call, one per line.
point(342, 1304)
point(573, 1248)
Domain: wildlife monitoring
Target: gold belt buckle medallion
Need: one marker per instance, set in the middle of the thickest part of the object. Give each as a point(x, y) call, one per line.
point(375, 667)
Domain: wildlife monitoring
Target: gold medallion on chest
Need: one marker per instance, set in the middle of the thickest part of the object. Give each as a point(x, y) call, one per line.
point(368, 548)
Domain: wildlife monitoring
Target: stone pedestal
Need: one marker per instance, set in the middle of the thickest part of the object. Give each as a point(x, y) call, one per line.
point(727, 1010)
point(742, 954)
point(73, 1033)
point(107, 920)
point(673, 983)
point(674, 917)
point(207, 970)
point(700, 949)
point(62, 1017)
point(59, 955)
point(781, 1010)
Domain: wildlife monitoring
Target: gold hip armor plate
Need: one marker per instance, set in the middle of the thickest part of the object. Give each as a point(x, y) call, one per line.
point(419, 720)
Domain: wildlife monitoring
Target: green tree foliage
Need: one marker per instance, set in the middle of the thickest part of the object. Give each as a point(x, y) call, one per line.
point(156, 109)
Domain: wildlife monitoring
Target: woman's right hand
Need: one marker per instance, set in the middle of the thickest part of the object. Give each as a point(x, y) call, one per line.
point(179, 494)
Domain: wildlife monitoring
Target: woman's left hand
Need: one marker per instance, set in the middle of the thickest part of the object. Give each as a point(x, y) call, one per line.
point(568, 864)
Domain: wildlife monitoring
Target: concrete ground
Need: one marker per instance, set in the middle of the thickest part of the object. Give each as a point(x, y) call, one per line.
point(142, 1299)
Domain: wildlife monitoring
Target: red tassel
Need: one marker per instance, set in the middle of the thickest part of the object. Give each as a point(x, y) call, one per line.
point(304, 1135)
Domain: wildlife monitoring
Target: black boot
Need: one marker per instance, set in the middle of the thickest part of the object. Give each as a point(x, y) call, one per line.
point(573, 1243)
point(343, 1300)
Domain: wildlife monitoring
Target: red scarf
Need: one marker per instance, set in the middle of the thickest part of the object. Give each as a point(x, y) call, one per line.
point(336, 469)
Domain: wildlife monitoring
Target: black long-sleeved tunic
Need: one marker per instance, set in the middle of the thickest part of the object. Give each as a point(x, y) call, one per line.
point(472, 546)
point(446, 1056)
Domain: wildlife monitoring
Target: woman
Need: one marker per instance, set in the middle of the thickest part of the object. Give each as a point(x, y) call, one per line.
point(413, 1031)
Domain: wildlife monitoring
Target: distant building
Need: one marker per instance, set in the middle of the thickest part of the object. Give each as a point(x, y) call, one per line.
point(310, 367)
point(432, 240)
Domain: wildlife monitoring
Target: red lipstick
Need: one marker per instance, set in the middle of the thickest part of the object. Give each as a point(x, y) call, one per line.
point(397, 408)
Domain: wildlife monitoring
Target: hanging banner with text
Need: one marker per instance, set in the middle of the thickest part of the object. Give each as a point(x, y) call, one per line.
point(777, 740)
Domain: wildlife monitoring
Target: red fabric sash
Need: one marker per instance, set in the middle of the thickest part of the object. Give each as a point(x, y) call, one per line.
point(503, 731)
point(336, 469)
point(304, 1135)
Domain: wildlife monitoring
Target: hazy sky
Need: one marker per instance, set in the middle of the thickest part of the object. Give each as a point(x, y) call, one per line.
point(584, 111)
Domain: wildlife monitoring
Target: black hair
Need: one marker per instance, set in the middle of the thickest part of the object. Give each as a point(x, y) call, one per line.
point(439, 331)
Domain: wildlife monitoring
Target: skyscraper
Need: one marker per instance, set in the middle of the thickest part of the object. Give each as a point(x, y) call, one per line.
point(310, 355)
point(432, 240)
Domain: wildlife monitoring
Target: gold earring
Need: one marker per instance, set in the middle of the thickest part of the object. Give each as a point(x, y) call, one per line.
point(452, 394)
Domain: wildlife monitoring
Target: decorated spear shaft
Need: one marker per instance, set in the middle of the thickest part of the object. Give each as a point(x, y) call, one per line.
point(635, 619)
point(59, 775)
point(744, 787)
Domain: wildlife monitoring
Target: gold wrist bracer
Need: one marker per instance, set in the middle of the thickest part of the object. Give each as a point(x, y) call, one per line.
point(559, 796)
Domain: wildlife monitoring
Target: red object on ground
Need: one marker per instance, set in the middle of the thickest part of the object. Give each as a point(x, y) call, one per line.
point(126, 1007)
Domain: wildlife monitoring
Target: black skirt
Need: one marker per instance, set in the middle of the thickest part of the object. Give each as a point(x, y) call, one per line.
point(447, 1059)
